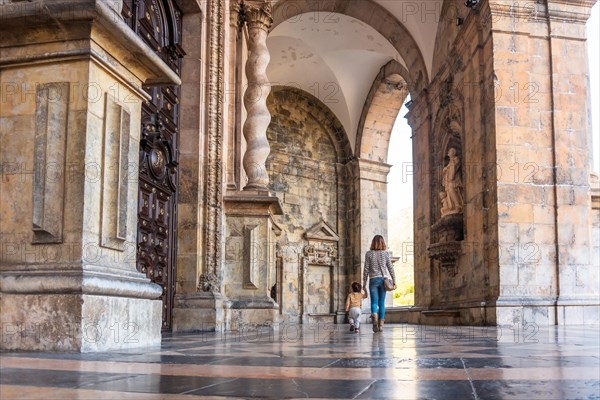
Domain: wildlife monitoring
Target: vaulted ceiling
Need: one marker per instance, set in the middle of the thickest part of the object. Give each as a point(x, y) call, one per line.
point(336, 57)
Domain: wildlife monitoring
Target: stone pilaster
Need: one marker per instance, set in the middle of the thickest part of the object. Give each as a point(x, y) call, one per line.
point(419, 118)
point(71, 128)
point(543, 192)
point(578, 279)
point(372, 183)
point(258, 18)
point(214, 156)
point(233, 142)
point(201, 308)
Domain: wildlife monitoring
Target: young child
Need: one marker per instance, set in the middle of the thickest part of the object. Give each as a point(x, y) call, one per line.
point(353, 306)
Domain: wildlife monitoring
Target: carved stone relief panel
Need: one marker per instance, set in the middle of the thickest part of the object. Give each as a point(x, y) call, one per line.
point(317, 275)
point(115, 179)
point(252, 253)
point(49, 162)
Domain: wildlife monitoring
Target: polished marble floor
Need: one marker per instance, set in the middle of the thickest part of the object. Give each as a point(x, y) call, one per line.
point(327, 362)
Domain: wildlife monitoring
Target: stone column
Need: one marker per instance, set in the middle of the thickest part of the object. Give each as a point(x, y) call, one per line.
point(70, 133)
point(258, 18)
point(249, 228)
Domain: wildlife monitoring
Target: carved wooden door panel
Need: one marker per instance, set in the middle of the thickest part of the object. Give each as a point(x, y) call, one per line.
point(158, 23)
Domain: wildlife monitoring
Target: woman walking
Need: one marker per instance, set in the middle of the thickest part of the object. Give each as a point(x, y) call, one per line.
point(377, 260)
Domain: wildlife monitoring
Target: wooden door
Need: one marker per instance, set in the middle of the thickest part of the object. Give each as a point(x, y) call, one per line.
point(158, 23)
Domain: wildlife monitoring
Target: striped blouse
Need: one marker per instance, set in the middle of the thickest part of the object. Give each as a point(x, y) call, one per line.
point(375, 263)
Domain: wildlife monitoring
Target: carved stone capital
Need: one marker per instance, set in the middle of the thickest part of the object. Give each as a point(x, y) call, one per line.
point(236, 19)
point(258, 14)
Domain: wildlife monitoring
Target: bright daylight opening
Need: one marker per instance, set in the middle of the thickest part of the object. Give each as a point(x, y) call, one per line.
point(400, 209)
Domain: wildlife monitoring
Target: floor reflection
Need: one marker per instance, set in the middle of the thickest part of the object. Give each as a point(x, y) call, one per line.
point(328, 361)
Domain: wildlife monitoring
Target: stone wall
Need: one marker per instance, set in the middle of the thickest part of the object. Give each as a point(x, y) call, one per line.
point(70, 132)
point(520, 247)
point(459, 117)
point(307, 173)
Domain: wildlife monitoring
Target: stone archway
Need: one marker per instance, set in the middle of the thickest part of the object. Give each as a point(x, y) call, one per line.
point(386, 97)
point(308, 172)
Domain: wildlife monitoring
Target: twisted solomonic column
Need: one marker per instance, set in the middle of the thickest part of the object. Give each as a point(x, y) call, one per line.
point(258, 17)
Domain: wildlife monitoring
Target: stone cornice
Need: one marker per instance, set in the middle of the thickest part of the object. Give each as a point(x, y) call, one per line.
point(258, 14)
point(77, 279)
point(44, 13)
point(255, 203)
point(189, 6)
point(570, 10)
point(418, 112)
point(559, 10)
point(373, 170)
point(86, 53)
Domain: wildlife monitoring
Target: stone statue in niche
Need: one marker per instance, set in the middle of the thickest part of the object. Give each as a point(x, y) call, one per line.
point(452, 197)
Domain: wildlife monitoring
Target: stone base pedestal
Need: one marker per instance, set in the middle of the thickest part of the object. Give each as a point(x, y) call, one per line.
point(512, 312)
point(250, 268)
point(327, 319)
point(78, 308)
point(200, 312)
point(403, 315)
point(578, 311)
point(245, 313)
point(340, 317)
point(78, 322)
point(565, 311)
point(472, 314)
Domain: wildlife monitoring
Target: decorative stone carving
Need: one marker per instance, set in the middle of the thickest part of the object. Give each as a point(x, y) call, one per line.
point(258, 17)
point(214, 167)
point(233, 126)
point(236, 19)
point(321, 254)
point(317, 276)
point(321, 232)
point(448, 232)
point(446, 246)
point(209, 282)
point(452, 197)
point(322, 244)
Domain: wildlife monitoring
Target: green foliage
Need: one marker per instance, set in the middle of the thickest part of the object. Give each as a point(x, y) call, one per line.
point(404, 295)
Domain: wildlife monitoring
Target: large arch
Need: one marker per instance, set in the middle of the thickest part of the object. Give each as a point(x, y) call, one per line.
point(373, 15)
point(321, 113)
point(387, 94)
point(308, 172)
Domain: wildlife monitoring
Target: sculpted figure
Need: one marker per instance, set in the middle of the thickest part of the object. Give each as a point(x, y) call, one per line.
point(452, 202)
point(445, 207)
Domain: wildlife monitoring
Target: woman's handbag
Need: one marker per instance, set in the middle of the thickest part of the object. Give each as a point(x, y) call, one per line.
point(388, 284)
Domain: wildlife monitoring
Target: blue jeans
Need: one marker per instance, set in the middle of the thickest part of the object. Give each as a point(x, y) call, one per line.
point(377, 293)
